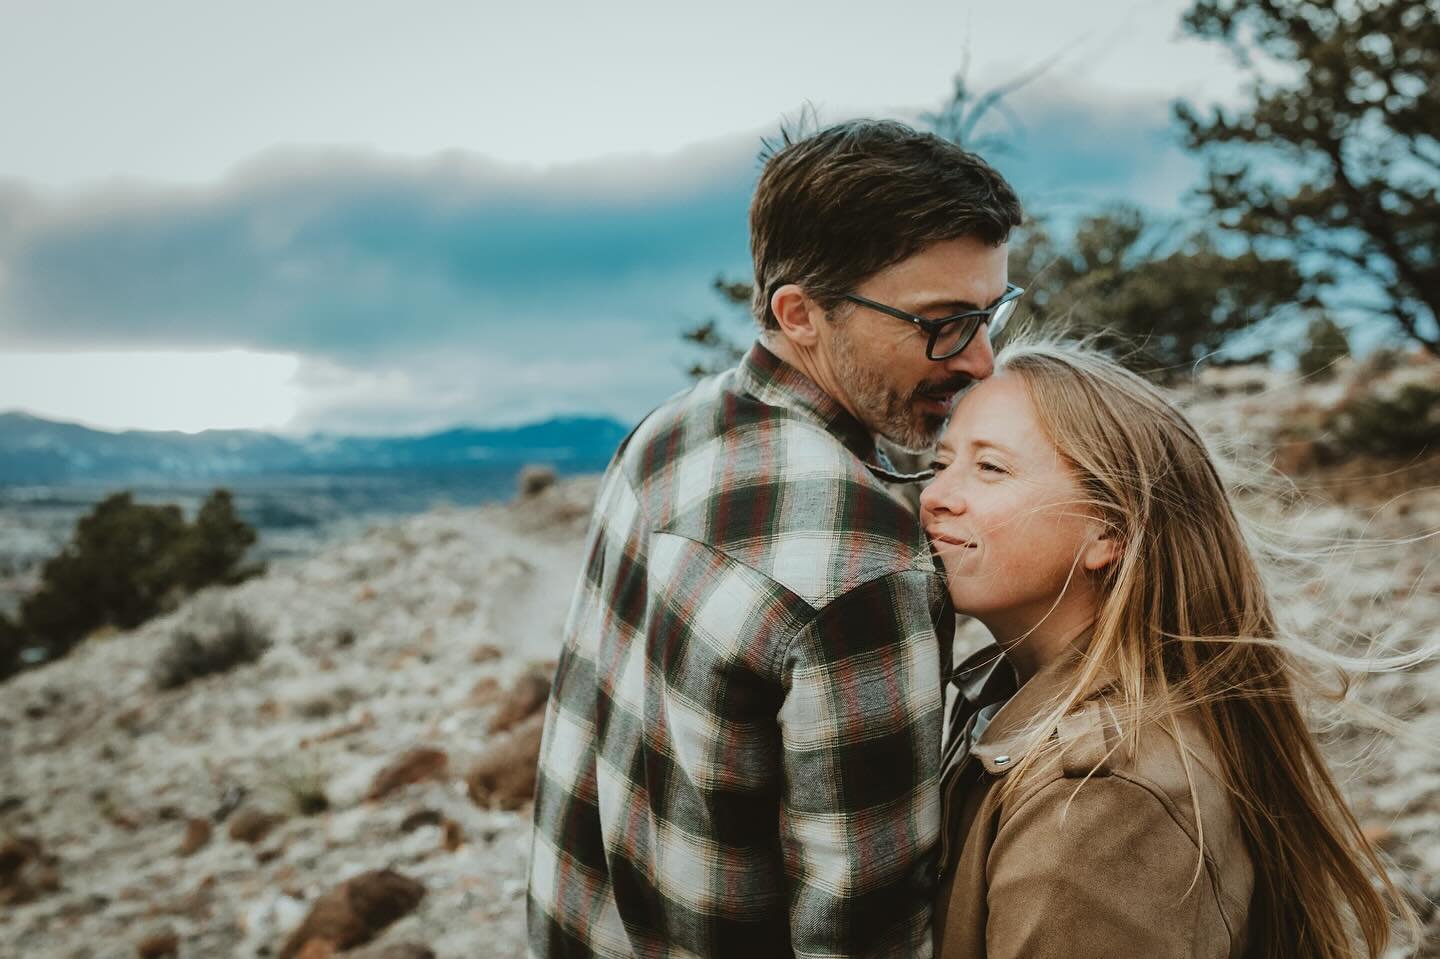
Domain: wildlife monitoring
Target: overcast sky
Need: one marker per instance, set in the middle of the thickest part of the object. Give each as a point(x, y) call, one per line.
point(387, 217)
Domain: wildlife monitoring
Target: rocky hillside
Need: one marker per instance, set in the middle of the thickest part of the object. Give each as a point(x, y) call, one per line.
point(361, 784)
point(404, 670)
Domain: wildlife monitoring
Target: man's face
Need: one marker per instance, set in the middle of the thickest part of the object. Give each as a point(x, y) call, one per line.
point(879, 362)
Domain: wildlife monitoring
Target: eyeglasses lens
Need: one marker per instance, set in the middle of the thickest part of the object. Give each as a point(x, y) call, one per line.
point(956, 336)
point(953, 337)
point(1000, 317)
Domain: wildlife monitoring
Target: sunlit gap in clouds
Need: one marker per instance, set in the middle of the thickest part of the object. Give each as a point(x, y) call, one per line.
point(188, 391)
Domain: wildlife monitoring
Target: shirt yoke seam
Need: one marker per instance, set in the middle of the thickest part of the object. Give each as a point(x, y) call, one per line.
point(813, 610)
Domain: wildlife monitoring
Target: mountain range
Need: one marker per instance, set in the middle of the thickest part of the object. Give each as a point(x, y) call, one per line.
point(40, 451)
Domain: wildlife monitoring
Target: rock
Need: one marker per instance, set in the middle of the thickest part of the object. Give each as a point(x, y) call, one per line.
point(421, 817)
point(454, 836)
point(15, 852)
point(251, 823)
point(158, 944)
point(331, 702)
point(197, 837)
point(194, 905)
point(317, 949)
point(90, 905)
point(270, 854)
point(485, 653)
point(418, 765)
point(230, 801)
point(27, 871)
point(485, 692)
point(504, 775)
point(121, 819)
point(355, 911)
point(393, 950)
point(525, 697)
point(317, 707)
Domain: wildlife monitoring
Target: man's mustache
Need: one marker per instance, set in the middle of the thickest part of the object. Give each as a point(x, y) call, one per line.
point(945, 388)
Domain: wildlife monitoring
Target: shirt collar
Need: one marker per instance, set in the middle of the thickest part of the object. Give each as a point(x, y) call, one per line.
point(774, 382)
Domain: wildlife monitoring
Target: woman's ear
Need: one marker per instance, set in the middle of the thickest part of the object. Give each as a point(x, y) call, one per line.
point(1103, 549)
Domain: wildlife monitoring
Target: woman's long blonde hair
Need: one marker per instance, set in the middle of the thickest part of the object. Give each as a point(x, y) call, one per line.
point(1187, 625)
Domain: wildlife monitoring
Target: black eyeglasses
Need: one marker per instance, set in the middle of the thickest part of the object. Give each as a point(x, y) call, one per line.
point(951, 334)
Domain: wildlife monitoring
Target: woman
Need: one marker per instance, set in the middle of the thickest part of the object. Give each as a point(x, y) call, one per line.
point(1127, 772)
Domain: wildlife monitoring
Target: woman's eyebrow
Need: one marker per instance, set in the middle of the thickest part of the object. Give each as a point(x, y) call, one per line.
point(991, 444)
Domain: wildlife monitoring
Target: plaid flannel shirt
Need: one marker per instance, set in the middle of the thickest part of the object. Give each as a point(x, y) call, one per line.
point(741, 750)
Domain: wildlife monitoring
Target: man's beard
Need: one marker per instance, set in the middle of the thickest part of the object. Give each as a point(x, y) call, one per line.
point(884, 410)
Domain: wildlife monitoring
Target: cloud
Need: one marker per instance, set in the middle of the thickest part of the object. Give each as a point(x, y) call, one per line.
point(350, 255)
point(423, 291)
point(1070, 152)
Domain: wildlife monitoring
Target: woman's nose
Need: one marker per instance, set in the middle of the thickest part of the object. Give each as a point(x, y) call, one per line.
point(940, 497)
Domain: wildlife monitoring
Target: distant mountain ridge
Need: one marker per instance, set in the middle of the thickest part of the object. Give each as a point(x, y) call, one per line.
point(35, 450)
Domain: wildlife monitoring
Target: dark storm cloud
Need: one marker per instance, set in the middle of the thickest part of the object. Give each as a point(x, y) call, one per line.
point(344, 254)
point(458, 287)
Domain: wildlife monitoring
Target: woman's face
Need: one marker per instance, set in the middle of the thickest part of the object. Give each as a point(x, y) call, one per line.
point(1007, 515)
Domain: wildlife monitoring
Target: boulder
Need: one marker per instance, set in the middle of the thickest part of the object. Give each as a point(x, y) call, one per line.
point(418, 765)
point(158, 944)
point(503, 776)
point(197, 836)
point(317, 949)
point(525, 697)
point(252, 824)
point(356, 911)
point(421, 817)
point(485, 692)
point(485, 652)
point(27, 871)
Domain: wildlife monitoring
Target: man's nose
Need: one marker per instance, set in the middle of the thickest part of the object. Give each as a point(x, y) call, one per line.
point(977, 360)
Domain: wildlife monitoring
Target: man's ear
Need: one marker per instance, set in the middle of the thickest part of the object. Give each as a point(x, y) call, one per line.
point(797, 315)
point(1103, 550)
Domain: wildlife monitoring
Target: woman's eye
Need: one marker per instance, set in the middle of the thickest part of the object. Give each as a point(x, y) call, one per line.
point(991, 467)
point(937, 466)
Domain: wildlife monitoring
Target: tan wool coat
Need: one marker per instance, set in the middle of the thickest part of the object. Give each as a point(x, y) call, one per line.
point(1097, 851)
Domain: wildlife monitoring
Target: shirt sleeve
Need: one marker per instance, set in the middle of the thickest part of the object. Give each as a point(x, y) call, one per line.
point(860, 738)
point(1097, 867)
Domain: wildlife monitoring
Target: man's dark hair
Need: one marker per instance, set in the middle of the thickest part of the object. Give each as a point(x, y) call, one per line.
point(835, 208)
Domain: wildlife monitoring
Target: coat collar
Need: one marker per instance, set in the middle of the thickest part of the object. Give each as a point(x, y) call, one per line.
point(986, 676)
point(774, 382)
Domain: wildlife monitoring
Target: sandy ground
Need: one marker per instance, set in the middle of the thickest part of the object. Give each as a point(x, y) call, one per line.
point(384, 643)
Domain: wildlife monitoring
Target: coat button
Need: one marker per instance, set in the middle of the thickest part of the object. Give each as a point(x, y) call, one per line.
point(1002, 760)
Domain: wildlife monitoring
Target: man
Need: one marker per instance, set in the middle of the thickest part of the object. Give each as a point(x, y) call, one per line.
point(742, 747)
